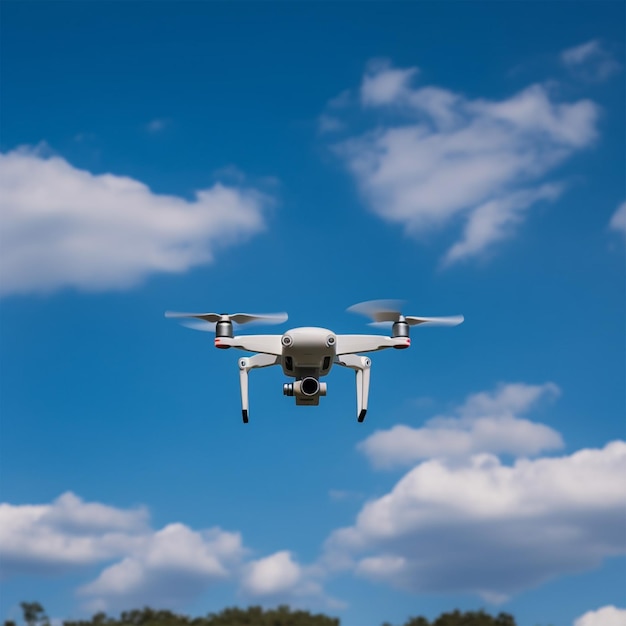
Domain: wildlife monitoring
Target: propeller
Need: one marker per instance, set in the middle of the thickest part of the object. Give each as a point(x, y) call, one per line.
point(208, 321)
point(388, 311)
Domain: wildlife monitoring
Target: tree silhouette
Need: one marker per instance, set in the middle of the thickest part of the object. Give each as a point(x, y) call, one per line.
point(34, 615)
point(469, 618)
point(233, 616)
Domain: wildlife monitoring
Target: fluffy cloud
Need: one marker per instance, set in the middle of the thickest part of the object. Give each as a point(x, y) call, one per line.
point(590, 61)
point(485, 422)
point(618, 221)
point(456, 158)
point(496, 219)
point(279, 577)
point(385, 85)
point(167, 567)
point(68, 533)
point(490, 529)
point(164, 567)
point(274, 574)
point(66, 227)
point(606, 616)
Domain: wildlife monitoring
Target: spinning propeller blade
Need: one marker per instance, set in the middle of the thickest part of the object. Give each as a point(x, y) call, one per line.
point(207, 321)
point(379, 310)
point(389, 311)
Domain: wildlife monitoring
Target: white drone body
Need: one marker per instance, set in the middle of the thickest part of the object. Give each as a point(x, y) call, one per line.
point(307, 354)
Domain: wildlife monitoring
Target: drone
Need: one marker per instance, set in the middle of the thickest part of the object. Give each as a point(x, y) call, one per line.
point(307, 354)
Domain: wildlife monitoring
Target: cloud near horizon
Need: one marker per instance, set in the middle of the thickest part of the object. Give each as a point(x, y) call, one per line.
point(46, 539)
point(163, 568)
point(459, 521)
point(463, 521)
point(478, 527)
point(485, 422)
point(605, 616)
point(279, 576)
point(489, 529)
point(166, 568)
point(66, 227)
point(435, 158)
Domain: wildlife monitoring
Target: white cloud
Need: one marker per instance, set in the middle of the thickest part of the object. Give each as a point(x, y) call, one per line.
point(68, 533)
point(168, 567)
point(590, 61)
point(159, 567)
point(280, 578)
point(454, 158)
point(277, 573)
point(580, 54)
point(508, 399)
point(383, 84)
point(66, 227)
point(69, 513)
point(618, 221)
point(485, 422)
point(490, 529)
point(163, 568)
point(605, 616)
point(496, 220)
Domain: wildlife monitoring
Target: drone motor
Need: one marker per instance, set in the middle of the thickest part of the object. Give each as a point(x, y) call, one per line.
point(224, 329)
point(400, 329)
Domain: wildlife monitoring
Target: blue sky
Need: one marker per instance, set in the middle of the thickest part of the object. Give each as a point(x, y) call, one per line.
point(465, 157)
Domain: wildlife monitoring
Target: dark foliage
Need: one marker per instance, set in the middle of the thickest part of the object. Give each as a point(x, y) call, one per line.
point(252, 616)
point(469, 618)
point(34, 615)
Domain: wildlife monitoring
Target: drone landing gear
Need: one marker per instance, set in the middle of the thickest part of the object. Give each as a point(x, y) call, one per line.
point(361, 365)
point(245, 365)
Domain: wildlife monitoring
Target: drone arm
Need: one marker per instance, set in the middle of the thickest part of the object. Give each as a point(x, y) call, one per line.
point(349, 344)
point(245, 365)
point(361, 365)
point(265, 344)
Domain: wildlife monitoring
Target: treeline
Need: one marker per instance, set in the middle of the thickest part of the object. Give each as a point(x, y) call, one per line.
point(35, 615)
